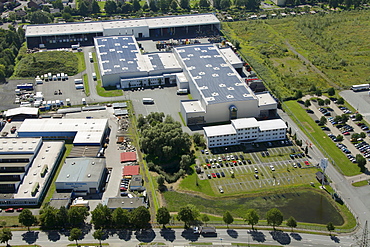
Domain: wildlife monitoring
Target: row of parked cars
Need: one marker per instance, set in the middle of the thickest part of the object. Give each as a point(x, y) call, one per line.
point(364, 148)
point(347, 152)
point(11, 210)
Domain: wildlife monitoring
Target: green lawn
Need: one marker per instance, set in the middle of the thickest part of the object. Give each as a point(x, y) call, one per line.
point(86, 85)
point(81, 62)
point(361, 183)
point(311, 129)
point(108, 91)
point(52, 187)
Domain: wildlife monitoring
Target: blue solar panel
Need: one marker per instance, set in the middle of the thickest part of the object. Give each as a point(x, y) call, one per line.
point(156, 62)
point(117, 54)
point(217, 79)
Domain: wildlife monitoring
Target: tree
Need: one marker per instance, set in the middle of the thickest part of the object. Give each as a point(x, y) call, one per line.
point(327, 101)
point(163, 216)
point(110, 7)
point(185, 4)
point(340, 101)
point(204, 218)
point(291, 222)
point(83, 8)
point(173, 5)
point(188, 214)
point(331, 91)
point(321, 102)
point(5, 235)
point(312, 88)
point(252, 217)
point(140, 217)
point(40, 17)
point(75, 235)
point(345, 118)
point(252, 4)
point(323, 120)
point(95, 8)
point(160, 181)
point(48, 217)
point(330, 227)
point(361, 161)
point(298, 94)
point(362, 135)
point(185, 161)
point(58, 4)
point(358, 117)
point(136, 5)
point(204, 4)
point(120, 218)
point(101, 216)
point(274, 217)
point(225, 4)
point(62, 216)
point(307, 103)
point(26, 218)
point(228, 218)
point(153, 5)
point(339, 138)
point(77, 215)
point(98, 235)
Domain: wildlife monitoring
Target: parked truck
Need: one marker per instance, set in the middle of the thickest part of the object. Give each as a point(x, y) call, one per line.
point(148, 101)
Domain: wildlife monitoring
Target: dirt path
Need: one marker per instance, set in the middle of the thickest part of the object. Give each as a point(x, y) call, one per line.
point(308, 62)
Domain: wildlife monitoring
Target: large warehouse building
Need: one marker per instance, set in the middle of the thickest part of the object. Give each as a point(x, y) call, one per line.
point(81, 131)
point(245, 130)
point(82, 175)
point(27, 166)
point(220, 93)
point(66, 34)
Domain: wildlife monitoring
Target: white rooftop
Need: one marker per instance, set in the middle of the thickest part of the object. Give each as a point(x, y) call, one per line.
point(100, 26)
point(242, 123)
point(265, 99)
point(192, 106)
point(226, 129)
point(87, 130)
point(230, 55)
point(47, 155)
point(272, 124)
point(19, 145)
point(21, 110)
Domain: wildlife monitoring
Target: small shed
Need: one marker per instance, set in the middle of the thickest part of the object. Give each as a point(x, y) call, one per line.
point(128, 157)
point(321, 178)
point(120, 112)
point(119, 105)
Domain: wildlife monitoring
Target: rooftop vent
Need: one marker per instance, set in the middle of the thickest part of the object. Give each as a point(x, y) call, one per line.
point(88, 175)
point(214, 94)
point(216, 68)
point(229, 96)
point(68, 175)
point(224, 65)
point(222, 85)
point(197, 77)
point(215, 75)
point(24, 141)
point(190, 55)
point(245, 95)
point(230, 88)
point(208, 65)
point(203, 88)
point(202, 73)
point(230, 74)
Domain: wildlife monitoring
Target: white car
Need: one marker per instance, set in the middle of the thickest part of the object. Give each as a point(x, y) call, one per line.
point(272, 168)
point(255, 170)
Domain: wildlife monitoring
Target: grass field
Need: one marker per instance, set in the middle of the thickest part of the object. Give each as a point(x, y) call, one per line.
point(86, 85)
point(335, 43)
point(312, 129)
point(81, 61)
point(360, 183)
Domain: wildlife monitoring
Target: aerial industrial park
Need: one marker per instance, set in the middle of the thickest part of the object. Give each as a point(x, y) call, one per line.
point(63, 145)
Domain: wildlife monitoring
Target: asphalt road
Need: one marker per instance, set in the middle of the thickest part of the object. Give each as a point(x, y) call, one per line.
point(181, 237)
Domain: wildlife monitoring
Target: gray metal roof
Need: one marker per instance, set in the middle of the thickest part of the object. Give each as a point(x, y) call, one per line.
point(217, 80)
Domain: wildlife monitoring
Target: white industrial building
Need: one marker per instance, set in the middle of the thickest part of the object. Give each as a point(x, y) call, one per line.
point(27, 166)
point(245, 130)
point(219, 93)
point(121, 62)
point(81, 131)
point(82, 175)
point(66, 34)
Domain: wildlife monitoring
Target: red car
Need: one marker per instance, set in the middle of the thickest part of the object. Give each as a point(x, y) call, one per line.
point(19, 209)
point(306, 163)
point(123, 189)
point(346, 133)
point(214, 175)
point(9, 210)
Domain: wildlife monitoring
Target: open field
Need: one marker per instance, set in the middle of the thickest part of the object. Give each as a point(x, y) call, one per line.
point(335, 43)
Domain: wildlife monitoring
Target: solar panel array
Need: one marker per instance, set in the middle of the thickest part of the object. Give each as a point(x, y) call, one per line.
point(118, 54)
point(156, 61)
point(215, 77)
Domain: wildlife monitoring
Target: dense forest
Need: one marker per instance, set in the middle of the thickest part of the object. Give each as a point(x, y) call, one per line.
point(10, 42)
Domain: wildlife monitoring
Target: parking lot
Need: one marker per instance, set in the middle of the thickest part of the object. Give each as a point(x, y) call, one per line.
point(253, 169)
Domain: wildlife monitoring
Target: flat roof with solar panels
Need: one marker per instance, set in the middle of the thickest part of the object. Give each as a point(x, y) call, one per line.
point(119, 54)
point(214, 77)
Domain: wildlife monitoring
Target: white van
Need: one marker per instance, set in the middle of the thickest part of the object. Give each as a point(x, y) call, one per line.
point(83, 101)
point(148, 101)
point(68, 101)
point(94, 76)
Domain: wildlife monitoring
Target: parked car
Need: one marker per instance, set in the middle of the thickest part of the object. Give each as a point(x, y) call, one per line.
point(9, 210)
point(306, 163)
point(272, 168)
point(213, 174)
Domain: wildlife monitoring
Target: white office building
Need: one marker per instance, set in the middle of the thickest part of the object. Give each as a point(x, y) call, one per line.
point(245, 130)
